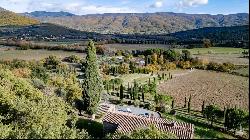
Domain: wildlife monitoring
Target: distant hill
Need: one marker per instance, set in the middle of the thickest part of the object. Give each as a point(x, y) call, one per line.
point(44, 30)
point(215, 33)
point(38, 14)
point(145, 23)
point(11, 18)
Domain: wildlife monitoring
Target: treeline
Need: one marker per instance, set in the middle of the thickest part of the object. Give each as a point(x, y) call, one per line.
point(232, 118)
point(25, 45)
point(160, 59)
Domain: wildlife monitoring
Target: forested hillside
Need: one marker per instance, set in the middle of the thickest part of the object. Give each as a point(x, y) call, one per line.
point(11, 18)
point(215, 33)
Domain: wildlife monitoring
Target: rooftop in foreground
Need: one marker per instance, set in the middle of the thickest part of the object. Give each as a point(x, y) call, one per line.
point(125, 122)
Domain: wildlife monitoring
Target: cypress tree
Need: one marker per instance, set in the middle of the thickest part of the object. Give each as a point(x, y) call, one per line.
point(185, 105)
point(225, 117)
point(188, 107)
point(172, 103)
point(189, 104)
point(143, 94)
point(113, 85)
point(203, 107)
point(121, 92)
point(92, 84)
point(107, 87)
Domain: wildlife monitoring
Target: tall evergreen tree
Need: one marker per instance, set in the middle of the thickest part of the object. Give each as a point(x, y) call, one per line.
point(121, 92)
point(143, 94)
point(185, 102)
point(172, 104)
point(203, 107)
point(92, 84)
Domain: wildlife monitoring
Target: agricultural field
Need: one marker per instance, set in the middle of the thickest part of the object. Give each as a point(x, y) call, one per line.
point(8, 53)
point(215, 50)
point(216, 54)
point(220, 55)
point(212, 87)
point(135, 46)
point(223, 58)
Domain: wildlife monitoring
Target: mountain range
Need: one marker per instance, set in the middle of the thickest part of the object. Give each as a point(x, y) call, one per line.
point(142, 23)
point(177, 24)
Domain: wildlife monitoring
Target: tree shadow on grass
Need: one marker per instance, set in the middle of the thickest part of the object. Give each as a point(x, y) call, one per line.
point(95, 129)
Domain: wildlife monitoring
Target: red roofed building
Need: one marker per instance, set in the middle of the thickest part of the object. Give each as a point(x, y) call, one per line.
point(125, 123)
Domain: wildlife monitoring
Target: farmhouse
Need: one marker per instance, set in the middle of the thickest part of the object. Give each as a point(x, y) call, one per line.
point(125, 123)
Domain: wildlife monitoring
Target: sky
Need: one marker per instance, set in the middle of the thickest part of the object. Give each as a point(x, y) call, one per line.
point(83, 7)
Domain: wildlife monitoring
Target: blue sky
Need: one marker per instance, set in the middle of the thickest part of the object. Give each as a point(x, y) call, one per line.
point(82, 7)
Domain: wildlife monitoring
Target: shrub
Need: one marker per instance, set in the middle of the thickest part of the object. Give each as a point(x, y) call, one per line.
point(51, 62)
point(136, 103)
point(235, 118)
point(40, 72)
point(22, 72)
point(172, 112)
point(95, 129)
point(184, 64)
point(212, 113)
point(73, 59)
point(213, 66)
point(199, 63)
point(169, 66)
point(37, 83)
point(150, 132)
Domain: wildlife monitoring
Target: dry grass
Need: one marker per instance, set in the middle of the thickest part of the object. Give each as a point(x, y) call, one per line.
point(212, 87)
point(34, 54)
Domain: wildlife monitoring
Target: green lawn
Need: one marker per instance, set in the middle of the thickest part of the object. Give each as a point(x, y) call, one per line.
point(202, 129)
point(216, 50)
point(242, 71)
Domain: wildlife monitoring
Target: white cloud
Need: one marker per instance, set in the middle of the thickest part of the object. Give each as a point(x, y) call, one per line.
point(93, 9)
point(77, 7)
point(192, 3)
point(157, 4)
point(14, 1)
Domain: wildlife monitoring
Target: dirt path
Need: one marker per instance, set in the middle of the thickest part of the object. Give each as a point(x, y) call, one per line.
point(185, 73)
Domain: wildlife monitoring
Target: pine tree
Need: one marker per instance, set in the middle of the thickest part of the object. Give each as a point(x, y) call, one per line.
point(92, 84)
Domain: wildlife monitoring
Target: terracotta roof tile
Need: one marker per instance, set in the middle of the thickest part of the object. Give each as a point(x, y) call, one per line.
point(127, 122)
